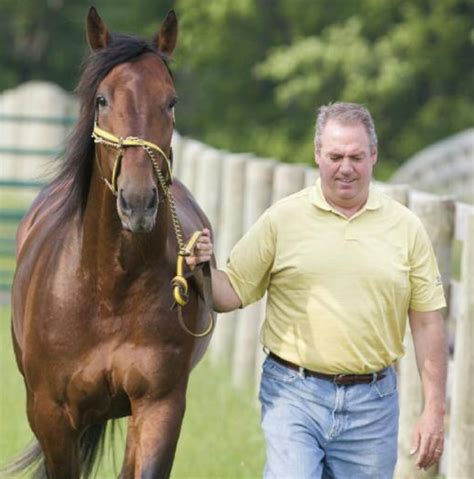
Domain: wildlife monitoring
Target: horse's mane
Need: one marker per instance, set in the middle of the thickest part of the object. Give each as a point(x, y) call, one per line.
point(75, 170)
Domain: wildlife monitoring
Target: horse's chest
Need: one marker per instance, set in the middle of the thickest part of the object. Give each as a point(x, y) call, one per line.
point(112, 375)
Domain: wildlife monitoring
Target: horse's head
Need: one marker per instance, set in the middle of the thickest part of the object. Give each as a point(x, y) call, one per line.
point(134, 118)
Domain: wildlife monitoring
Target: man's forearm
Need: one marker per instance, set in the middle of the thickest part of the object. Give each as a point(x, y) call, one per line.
point(430, 350)
point(224, 297)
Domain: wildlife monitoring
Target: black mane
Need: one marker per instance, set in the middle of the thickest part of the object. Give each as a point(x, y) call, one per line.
point(77, 161)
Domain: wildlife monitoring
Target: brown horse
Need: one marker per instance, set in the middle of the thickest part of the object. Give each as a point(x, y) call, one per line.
point(94, 333)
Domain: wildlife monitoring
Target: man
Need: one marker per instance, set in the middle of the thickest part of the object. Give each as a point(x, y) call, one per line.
point(343, 266)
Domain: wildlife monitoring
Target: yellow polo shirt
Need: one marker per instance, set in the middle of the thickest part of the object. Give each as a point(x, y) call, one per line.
point(339, 289)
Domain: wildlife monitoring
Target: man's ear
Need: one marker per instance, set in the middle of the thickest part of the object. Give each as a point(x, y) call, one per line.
point(316, 157)
point(374, 156)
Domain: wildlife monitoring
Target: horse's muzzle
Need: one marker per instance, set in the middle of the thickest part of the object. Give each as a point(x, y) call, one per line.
point(138, 212)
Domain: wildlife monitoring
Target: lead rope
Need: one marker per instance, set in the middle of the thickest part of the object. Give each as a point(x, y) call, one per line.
point(179, 282)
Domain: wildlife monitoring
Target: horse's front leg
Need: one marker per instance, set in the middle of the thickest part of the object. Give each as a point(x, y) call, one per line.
point(58, 440)
point(128, 467)
point(157, 427)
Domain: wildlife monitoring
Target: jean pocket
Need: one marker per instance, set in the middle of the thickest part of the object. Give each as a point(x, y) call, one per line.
point(388, 385)
point(275, 370)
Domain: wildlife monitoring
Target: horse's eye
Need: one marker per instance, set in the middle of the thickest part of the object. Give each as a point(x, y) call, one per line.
point(101, 101)
point(172, 103)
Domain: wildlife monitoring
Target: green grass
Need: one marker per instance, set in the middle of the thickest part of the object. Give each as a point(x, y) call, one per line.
point(220, 437)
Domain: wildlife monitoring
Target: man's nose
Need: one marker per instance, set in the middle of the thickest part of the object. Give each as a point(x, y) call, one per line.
point(346, 166)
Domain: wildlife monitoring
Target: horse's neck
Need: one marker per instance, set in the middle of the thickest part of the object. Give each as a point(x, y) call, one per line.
point(107, 249)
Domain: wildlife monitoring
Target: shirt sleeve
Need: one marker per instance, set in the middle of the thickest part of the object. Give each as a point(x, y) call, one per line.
point(425, 280)
point(251, 260)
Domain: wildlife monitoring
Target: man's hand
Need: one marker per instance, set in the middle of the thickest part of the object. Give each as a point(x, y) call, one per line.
point(428, 439)
point(202, 251)
point(223, 295)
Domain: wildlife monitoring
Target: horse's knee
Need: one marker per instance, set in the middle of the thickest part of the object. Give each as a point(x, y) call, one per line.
point(58, 441)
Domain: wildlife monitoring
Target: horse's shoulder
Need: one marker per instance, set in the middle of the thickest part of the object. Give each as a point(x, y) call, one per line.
point(182, 195)
point(188, 209)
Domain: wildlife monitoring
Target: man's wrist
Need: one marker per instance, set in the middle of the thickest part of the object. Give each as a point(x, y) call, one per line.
point(435, 407)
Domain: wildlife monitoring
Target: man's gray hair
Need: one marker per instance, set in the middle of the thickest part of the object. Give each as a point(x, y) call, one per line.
point(346, 113)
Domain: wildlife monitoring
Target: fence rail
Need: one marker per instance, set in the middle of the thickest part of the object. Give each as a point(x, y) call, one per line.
point(48, 120)
point(234, 189)
point(447, 167)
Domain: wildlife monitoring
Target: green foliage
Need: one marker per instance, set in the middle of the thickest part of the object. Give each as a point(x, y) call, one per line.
point(408, 61)
point(44, 39)
point(251, 73)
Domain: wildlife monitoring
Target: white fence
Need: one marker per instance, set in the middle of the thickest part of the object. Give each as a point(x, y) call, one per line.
point(447, 167)
point(234, 189)
point(34, 120)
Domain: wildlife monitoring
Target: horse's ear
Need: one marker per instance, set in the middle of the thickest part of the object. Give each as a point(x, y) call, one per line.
point(165, 40)
point(97, 34)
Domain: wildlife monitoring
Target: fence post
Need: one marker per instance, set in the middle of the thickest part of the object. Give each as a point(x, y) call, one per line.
point(207, 185)
point(42, 99)
point(397, 192)
point(461, 426)
point(287, 179)
point(191, 151)
point(34, 128)
point(230, 229)
point(310, 176)
point(258, 194)
point(177, 143)
point(8, 106)
point(436, 213)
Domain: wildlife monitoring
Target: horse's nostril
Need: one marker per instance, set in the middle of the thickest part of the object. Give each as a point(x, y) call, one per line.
point(153, 200)
point(123, 203)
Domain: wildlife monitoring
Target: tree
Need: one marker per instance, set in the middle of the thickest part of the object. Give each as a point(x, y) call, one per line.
point(409, 61)
point(45, 39)
point(251, 73)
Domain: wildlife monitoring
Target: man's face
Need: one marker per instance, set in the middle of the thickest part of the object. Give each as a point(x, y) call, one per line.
point(345, 162)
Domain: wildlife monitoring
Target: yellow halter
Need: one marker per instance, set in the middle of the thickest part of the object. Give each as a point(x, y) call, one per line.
point(106, 138)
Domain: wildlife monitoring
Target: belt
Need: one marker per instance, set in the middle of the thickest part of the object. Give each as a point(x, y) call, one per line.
point(339, 379)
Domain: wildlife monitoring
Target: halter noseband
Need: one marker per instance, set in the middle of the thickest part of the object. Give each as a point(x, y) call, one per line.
point(119, 143)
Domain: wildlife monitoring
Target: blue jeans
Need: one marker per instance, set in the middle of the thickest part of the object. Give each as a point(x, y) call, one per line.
point(316, 429)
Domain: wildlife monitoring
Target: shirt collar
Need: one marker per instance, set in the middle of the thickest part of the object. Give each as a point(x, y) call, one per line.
point(318, 199)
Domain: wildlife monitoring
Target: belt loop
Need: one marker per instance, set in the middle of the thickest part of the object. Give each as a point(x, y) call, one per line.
point(301, 372)
point(374, 378)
